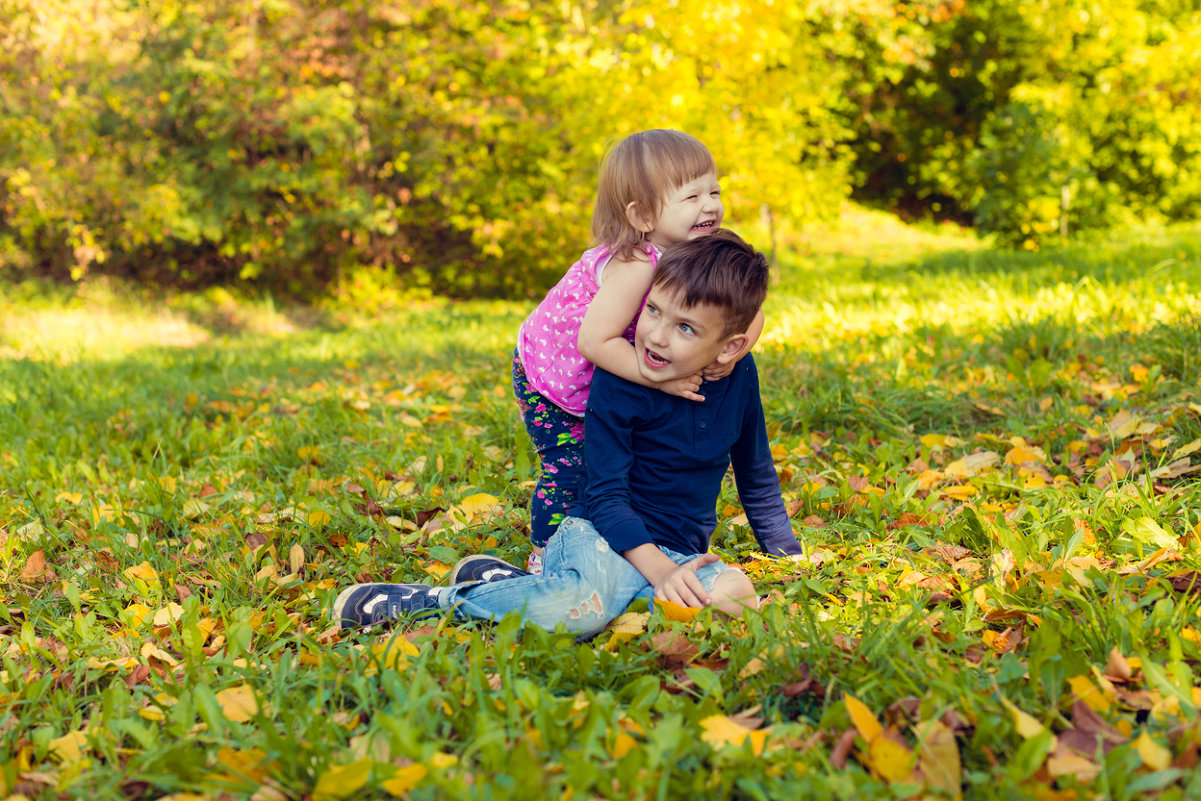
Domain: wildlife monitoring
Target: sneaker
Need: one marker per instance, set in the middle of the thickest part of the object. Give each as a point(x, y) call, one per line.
point(365, 605)
point(534, 563)
point(479, 567)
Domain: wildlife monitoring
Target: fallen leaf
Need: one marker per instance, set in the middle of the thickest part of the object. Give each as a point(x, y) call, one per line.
point(938, 757)
point(720, 730)
point(342, 781)
point(1027, 725)
point(677, 612)
point(1153, 755)
point(891, 759)
point(35, 566)
point(865, 722)
point(70, 747)
point(972, 464)
point(404, 780)
point(238, 704)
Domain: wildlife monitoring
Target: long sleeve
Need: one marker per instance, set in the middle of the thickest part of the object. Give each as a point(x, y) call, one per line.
point(609, 459)
point(759, 486)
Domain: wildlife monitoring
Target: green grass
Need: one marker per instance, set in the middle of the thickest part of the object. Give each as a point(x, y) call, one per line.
point(185, 483)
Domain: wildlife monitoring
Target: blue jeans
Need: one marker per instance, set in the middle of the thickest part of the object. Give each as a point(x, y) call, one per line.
point(583, 585)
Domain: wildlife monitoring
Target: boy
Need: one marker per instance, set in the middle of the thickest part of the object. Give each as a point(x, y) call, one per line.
point(654, 463)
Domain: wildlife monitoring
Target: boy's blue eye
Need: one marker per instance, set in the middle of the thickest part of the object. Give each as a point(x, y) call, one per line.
point(686, 328)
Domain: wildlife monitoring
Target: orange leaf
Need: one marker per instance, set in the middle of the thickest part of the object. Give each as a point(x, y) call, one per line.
point(35, 566)
point(674, 611)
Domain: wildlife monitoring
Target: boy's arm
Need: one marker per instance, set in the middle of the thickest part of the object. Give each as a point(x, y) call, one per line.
point(717, 371)
point(601, 339)
point(672, 582)
point(756, 479)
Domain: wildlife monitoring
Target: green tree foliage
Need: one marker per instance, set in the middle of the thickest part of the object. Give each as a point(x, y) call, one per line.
point(455, 144)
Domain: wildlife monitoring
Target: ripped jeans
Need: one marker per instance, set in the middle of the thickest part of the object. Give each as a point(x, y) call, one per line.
point(583, 585)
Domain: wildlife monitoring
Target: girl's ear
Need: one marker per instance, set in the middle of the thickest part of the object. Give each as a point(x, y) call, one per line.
point(638, 218)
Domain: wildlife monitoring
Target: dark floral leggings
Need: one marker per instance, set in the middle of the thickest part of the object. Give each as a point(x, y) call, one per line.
point(559, 439)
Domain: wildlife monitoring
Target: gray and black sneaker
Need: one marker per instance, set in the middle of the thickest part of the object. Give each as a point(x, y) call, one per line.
point(479, 567)
point(366, 605)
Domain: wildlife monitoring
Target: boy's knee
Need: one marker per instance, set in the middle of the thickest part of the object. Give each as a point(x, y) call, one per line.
point(733, 592)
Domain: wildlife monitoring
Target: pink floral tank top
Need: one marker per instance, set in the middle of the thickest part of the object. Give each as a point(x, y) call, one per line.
point(547, 340)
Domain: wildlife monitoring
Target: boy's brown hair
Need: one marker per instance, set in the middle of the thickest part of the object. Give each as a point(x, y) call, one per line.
point(641, 169)
point(718, 270)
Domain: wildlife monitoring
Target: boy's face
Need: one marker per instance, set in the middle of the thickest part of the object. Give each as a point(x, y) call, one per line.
point(673, 341)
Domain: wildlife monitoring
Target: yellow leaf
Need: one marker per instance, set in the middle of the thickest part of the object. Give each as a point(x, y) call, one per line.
point(972, 464)
point(890, 759)
point(143, 571)
point(296, 557)
point(318, 518)
point(1027, 725)
point(1089, 693)
point(1022, 454)
point(342, 781)
point(69, 747)
point(1123, 425)
point(1183, 450)
point(168, 614)
point(435, 568)
point(960, 492)
point(404, 780)
point(478, 504)
point(755, 665)
point(625, 627)
point(238, 703)
point(441, 761)
point(392, 653)
point(77, 498)
point(623, 745)
point(136, 614)
point(865, 722)
point(674, 611)
point(1080, 767)
point(720, 730)
point(938, 757)
point(1153, 755)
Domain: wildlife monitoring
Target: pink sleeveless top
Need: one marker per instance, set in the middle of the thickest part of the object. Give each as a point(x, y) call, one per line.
point(547, 340)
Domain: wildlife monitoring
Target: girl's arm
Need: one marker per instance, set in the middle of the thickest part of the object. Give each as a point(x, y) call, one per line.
point(617, 302)
point(753, 331)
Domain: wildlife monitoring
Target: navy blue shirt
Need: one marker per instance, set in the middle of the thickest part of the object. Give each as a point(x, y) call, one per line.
point(655, 463)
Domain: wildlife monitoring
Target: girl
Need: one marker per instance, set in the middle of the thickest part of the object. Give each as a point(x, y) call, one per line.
point(657, 188)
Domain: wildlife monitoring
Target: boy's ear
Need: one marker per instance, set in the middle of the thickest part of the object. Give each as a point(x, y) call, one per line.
point(733, 346)
point(638, 218)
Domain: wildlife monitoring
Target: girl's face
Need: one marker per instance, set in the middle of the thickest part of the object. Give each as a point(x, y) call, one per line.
point(689, 211)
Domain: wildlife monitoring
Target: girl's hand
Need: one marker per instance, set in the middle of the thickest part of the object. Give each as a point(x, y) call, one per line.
point(681, 585)
point(684, 387)
point(718, 371)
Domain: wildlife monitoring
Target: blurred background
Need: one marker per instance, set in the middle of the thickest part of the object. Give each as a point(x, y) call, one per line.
point(450, 147)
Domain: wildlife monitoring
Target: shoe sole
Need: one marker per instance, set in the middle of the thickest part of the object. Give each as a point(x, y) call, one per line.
point(340, 604)
point(453, 576)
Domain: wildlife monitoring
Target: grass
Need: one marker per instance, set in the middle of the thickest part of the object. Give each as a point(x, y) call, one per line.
point(992, 458)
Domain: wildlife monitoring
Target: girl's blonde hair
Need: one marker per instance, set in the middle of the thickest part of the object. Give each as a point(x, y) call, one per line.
point(642, 169)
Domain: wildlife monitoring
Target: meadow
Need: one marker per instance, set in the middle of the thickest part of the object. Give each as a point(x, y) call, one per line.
point(992, 458)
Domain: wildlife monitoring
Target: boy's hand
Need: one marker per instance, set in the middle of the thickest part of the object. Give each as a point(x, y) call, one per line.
point(681, 585)
point(684, 387)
